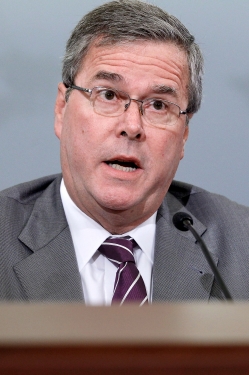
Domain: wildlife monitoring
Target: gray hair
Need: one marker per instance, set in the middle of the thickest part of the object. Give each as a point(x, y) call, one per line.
point(127, 21)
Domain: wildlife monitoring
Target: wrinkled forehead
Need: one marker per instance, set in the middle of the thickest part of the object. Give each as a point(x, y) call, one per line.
point(101, 46)
point(141, 64)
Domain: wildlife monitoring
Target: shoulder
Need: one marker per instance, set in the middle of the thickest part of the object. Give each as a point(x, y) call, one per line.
point(28, 192)
point(19, 205)
point(206, 205)
point(17, 202)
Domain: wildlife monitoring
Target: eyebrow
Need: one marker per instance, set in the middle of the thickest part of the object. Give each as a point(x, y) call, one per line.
point(115, 77)
point(163, 89)
point(109, 76)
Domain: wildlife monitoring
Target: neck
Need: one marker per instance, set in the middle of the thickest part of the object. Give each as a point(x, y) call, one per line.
point(119, 222)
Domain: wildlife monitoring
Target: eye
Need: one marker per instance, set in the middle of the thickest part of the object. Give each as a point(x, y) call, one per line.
point(159, 105)
point(109, 94)
point(105, 95)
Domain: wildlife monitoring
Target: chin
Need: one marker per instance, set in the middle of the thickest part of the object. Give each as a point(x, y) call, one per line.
point(117, 203)
point(117, 206)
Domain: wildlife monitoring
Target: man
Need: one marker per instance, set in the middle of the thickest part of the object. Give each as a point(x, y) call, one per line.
point(131, 83)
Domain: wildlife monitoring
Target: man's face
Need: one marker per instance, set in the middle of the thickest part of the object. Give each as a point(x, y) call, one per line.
point(94, 148)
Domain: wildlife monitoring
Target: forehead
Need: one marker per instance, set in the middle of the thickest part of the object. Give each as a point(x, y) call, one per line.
point(145, 62)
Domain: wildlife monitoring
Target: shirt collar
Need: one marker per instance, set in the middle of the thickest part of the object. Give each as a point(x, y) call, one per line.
point(88, 235)
point(144, 235)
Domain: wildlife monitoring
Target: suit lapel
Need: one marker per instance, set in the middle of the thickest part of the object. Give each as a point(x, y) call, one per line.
point(181, 271)
point(50, 272)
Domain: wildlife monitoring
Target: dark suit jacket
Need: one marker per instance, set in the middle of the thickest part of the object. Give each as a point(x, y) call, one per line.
point(38, 262)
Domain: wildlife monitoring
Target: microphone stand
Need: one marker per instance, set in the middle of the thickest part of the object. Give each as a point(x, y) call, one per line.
point(184, 222)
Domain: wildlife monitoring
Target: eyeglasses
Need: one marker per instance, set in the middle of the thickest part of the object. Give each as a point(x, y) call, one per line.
point(112, 103)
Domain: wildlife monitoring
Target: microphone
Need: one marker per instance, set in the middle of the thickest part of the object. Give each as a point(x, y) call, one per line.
point(184, 222)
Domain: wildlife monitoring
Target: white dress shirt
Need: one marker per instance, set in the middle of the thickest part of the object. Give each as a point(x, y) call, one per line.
point(97, 272)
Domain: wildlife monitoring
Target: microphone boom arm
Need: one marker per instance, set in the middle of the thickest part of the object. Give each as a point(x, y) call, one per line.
point(187, 223)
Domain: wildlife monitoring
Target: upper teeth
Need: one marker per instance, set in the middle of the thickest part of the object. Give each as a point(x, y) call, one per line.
point(121, 168)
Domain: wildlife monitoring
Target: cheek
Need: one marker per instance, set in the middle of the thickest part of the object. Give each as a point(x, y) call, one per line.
point(72, 137)
point(80, 141)
point(168, 152)
point(170, 146)
point(75, 125)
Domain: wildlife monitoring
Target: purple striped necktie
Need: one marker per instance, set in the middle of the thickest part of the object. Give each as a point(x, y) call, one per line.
point(129, 285)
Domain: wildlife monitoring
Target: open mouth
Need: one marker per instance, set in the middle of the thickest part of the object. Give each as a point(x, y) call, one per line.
point(125, 166)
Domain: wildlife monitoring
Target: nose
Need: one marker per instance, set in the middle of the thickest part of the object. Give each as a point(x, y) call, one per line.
point(139, 103)
point(130, 122)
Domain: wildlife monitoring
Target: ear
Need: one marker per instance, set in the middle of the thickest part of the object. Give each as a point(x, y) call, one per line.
point(60, 105)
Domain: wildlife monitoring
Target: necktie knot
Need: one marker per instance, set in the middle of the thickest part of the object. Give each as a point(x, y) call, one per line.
point(129, 285)
point(118, 249)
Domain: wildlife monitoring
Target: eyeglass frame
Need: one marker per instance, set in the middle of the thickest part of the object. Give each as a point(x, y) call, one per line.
point(141, 110)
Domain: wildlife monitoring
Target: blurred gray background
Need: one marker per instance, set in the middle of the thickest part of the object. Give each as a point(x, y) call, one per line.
point(33, 36)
